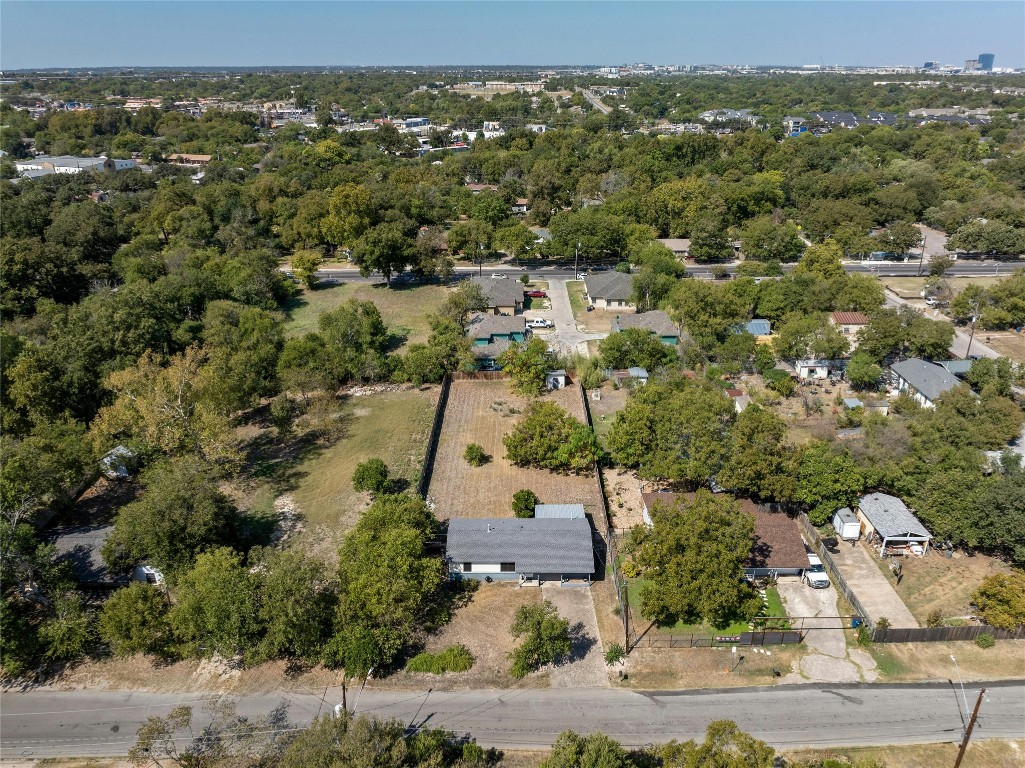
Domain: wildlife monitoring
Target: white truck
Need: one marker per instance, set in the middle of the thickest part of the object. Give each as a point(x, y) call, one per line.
point(815, 575)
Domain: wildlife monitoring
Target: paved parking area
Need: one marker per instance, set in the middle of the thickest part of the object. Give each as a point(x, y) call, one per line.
point(876, 594)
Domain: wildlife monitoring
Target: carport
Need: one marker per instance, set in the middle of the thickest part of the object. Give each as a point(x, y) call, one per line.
point(890, 523)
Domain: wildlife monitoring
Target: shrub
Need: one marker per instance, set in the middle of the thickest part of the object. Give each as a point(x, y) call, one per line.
point(475, 456)
point(523, 503)
point(455, 658)
point(371, 475)
point(630, 569)
point(524, 278)
point(883, 623)
point(864, 635)
point(1001, 600)
point(615, 654)
point(985, 640)
point(547, 638)
point(935, 618)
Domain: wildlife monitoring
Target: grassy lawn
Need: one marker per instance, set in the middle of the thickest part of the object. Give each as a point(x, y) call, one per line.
point(911, 287)
point(679, 628)
point(775, 607)
point(392, 426)
point(989, 753)
point(406, 310)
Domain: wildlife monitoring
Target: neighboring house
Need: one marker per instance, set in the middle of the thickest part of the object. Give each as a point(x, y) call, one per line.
point(609, 290)
point(185, 159)
point(559, 511)
point(739, 398)
point(504, 297)
point(924, 381)
point(680, 246)
point(81, 547)
point(521, 206)
point(68, 164)
point(889, 523)
point(478, 188)
point(626, 376)
point(656, 321)
point(849, 324)
point(818, 369)
point(491, 335)
point(528, 550)
point(778, 547)
point(959, 368)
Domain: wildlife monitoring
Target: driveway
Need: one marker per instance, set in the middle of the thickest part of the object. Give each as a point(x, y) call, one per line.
point(858, 567)
point(586, 666)
point(567, 336)
point(829, 659)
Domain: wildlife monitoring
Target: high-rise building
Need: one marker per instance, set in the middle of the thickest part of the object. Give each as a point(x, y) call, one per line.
point(930, 65)
point(986, 61)
point(970, 65)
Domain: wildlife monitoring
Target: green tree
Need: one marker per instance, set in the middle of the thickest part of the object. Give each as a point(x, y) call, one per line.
point(466, 298)
point(515, 239)
point(695, 553)
point(295, 605)
point(862, 371)
point(180, 513)
point(216, 609)
point(69, 631)
point(305, 265)
point(763, 240)
point(527, 364)
point(523, 503)
point(760, 460)
point(355, 341)
point(545, 638)
point(384, 248)
point(475, 456)
point(550, 438)
point(635, 347)
point(595, 750)
point(1001, 600)
point(822, 260)
point(371, 476)
point(826, 481)
point(988, 237)
point(472, 238)
point(860, 293)
point(900, 237)
point(134, 620)
point(803, 336)
point(709, 241)
point(350, 211)
point(725, 746)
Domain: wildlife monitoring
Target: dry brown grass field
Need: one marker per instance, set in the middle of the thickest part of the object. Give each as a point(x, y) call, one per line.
point(483, 412)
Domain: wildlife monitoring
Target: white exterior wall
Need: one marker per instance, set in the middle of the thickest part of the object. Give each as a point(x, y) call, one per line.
point(917, 396)
point(479, 568)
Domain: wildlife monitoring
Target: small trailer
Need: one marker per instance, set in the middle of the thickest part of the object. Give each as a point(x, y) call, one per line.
point(847, 525)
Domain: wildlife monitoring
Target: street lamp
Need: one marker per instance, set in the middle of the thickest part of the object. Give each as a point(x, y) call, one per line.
point(971, 337)
point(953, 658)
point(576, 259)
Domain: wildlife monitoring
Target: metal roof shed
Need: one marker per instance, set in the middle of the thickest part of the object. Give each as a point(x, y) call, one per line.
point(558, 511)
point(891, 521)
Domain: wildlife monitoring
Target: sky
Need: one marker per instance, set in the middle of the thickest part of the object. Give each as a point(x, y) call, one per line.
point(88, 33)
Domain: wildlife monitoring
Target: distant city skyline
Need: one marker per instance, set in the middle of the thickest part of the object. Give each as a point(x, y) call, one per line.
point(154, 33)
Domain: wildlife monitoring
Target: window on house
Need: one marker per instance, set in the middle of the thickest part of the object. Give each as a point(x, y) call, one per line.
point(508, 567)
point(467, 567)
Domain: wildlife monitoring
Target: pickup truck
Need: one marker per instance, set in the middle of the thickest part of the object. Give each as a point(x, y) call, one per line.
point(540, 322)
point(815, 575)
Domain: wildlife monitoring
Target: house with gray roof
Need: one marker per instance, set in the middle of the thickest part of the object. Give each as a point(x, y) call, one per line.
point(528, 550)
point(922, 380)
point(890, 523)
point(491, 335)
point(656, 321)
point(609, 290)
point(505, 297)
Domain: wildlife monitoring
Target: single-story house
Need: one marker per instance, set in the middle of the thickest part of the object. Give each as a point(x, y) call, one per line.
point(491, 335)
point(504, 297)
point(527, 550)
point(740, 399)
point(81, 547)
point(179, 158)
point(778, 547)
point(628, 375)
point(559, 511)
point(609, 290)
point(756, 327)
point(889, 522)
point(478, 188)
point(680, 246)
point(849, 324)
point(922, 380)
point(521, 206)
point(555, 379)
point(818, 369)
point(656, 321)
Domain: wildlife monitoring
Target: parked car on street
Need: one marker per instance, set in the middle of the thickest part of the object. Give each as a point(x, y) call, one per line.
point(498, 276)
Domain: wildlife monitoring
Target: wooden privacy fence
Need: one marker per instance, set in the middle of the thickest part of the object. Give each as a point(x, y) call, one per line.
point(830, 566)
point(943, 634)
point(687, 640)
point(424, 482)
point(479, 375)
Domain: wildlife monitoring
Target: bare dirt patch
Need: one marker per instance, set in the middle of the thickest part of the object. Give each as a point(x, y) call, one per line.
point(483, 412)
point(935, 583)
point(482, 625)
point(623, 491)
point(664, 668)
point(931, 661)
point(990, 753)
point(1006, 343)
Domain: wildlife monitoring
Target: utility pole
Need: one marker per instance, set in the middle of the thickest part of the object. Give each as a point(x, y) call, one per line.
point(576, 259)
point(971, 338)
point(968, 732)
point(921, 259)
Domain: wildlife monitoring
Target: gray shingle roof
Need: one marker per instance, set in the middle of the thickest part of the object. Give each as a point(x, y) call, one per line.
point(535, 545)
point(484, 326)
point(890, 516)
point(656, 321)
point(617, 286)
point(500, 293)
point(928, 378)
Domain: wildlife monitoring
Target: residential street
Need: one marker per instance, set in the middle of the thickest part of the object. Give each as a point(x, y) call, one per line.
point(94, 723)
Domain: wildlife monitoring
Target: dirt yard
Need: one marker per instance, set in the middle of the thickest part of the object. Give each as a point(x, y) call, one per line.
point(483, 412)
point(597, 320)
point(664, 669)
point(903, 662)
point(990, 753)
point(1007, 343)
point(933, 582)
point(623, 491)
point(482, 625)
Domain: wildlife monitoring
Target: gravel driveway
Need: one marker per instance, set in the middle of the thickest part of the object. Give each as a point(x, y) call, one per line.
point(586, 666)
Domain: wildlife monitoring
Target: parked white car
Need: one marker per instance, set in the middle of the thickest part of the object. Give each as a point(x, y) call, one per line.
point(540, 322)
point(497, 276)
point(815, 575)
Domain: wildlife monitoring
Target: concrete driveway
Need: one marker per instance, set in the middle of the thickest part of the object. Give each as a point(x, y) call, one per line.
point(586, 666)
point(829, 659)
point(567, 336)
point(877, 595)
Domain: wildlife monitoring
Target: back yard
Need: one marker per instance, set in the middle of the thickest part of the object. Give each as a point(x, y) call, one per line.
point(483, 412)
point(406, 310)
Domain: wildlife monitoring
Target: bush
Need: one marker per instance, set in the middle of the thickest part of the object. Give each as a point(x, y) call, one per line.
point(864, 635)
point(615, 654)
point(624, 267)
point(1001, 600)
point(455, 658)
point(985, 640)
point(547, 638)
point(935, 619)
point(372, 476)
point(550, 438)
point(475, 456)
point(883, 623)
point(523, 503)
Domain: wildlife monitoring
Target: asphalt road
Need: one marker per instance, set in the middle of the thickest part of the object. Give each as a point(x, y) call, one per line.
point(103, 723)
